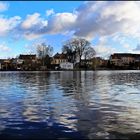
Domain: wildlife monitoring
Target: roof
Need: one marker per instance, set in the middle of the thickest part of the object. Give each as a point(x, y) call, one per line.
point(118, 55)
point(60, 56)
point(2, 60)
point(30, 56)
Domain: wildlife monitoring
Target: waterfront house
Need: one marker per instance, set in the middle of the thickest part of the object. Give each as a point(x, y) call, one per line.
point(30, 57)
point(121, 59)
point(27, 62)
point(58, 59)
point(66, 65)
point(17, 63)
point(124, 59)
point(5, 64)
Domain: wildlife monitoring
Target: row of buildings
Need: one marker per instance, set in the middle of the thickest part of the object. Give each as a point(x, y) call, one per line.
point(124, 61)
point(61, 61)
point(58, 61)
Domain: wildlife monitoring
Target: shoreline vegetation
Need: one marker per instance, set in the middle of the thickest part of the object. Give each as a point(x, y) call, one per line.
point(77, 55)
point(28, 65)
point(49, 70)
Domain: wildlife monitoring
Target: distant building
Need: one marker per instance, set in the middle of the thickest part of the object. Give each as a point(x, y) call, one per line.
point(66, 65)
point(4, 64)
point(20, 61)
point(97, 62)
point(100, 61)
point(31, 57)
point(1, 63)
point(59, 58)
point(26, 62)
point(124, 59)
point(17, 61)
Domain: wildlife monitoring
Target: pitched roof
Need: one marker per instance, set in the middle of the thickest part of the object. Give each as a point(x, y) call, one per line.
point(118, 55)
point(60, 56)
point(30, 56)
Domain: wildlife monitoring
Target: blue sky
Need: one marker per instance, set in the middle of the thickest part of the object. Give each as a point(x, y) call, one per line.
point(110, 26)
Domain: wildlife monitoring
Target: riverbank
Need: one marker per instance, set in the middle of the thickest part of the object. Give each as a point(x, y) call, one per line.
point(98, 69)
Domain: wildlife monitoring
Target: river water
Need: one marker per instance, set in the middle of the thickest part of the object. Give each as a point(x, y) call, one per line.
point(67, 104)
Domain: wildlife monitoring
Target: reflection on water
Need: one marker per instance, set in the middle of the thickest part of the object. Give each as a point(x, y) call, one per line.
point(87, 104)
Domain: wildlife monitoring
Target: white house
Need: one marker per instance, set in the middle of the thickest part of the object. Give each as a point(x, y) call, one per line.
point(66, 65)
point(20, 61)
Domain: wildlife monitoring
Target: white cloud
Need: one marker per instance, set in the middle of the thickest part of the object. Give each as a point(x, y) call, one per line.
point(4, 48)
point(137, 48)
point(7, 25)
point(103, 49)
point(108, 18)
point(119, 38)
point(33, 26)
point(3, 6)
point(126, 13)
point(61, 23)
point(50, 12)
point(30, 21)
point(127, 46)
point(116, 20)
point(100, 18)
point(31, 36)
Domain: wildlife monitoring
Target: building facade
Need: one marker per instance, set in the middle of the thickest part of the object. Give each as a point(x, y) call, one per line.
point(66, 65)
point(124, 59)
point(59, 58)
point(27, 62)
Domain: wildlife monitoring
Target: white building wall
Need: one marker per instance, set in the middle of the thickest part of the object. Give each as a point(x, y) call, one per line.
point(19, 61)
point(66, 65)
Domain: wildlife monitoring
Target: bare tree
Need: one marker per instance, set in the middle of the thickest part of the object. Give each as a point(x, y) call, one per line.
point(78, 47)
point(44, 51)
point(89, 53)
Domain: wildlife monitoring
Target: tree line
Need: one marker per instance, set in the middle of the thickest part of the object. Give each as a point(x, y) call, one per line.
point(75, 48)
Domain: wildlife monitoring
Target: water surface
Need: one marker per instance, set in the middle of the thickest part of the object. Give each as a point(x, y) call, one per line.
point(67, 104)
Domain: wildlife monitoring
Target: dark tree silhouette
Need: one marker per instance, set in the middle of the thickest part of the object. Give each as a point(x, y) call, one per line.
point(76, 48)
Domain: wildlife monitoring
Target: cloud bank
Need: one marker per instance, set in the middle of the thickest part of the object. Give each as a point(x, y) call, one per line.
point(90, 19)
point(97, 18)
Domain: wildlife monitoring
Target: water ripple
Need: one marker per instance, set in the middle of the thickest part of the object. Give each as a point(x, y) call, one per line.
point(91, 105)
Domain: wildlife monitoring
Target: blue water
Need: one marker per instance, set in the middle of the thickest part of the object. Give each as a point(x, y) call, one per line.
point(67, 104)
